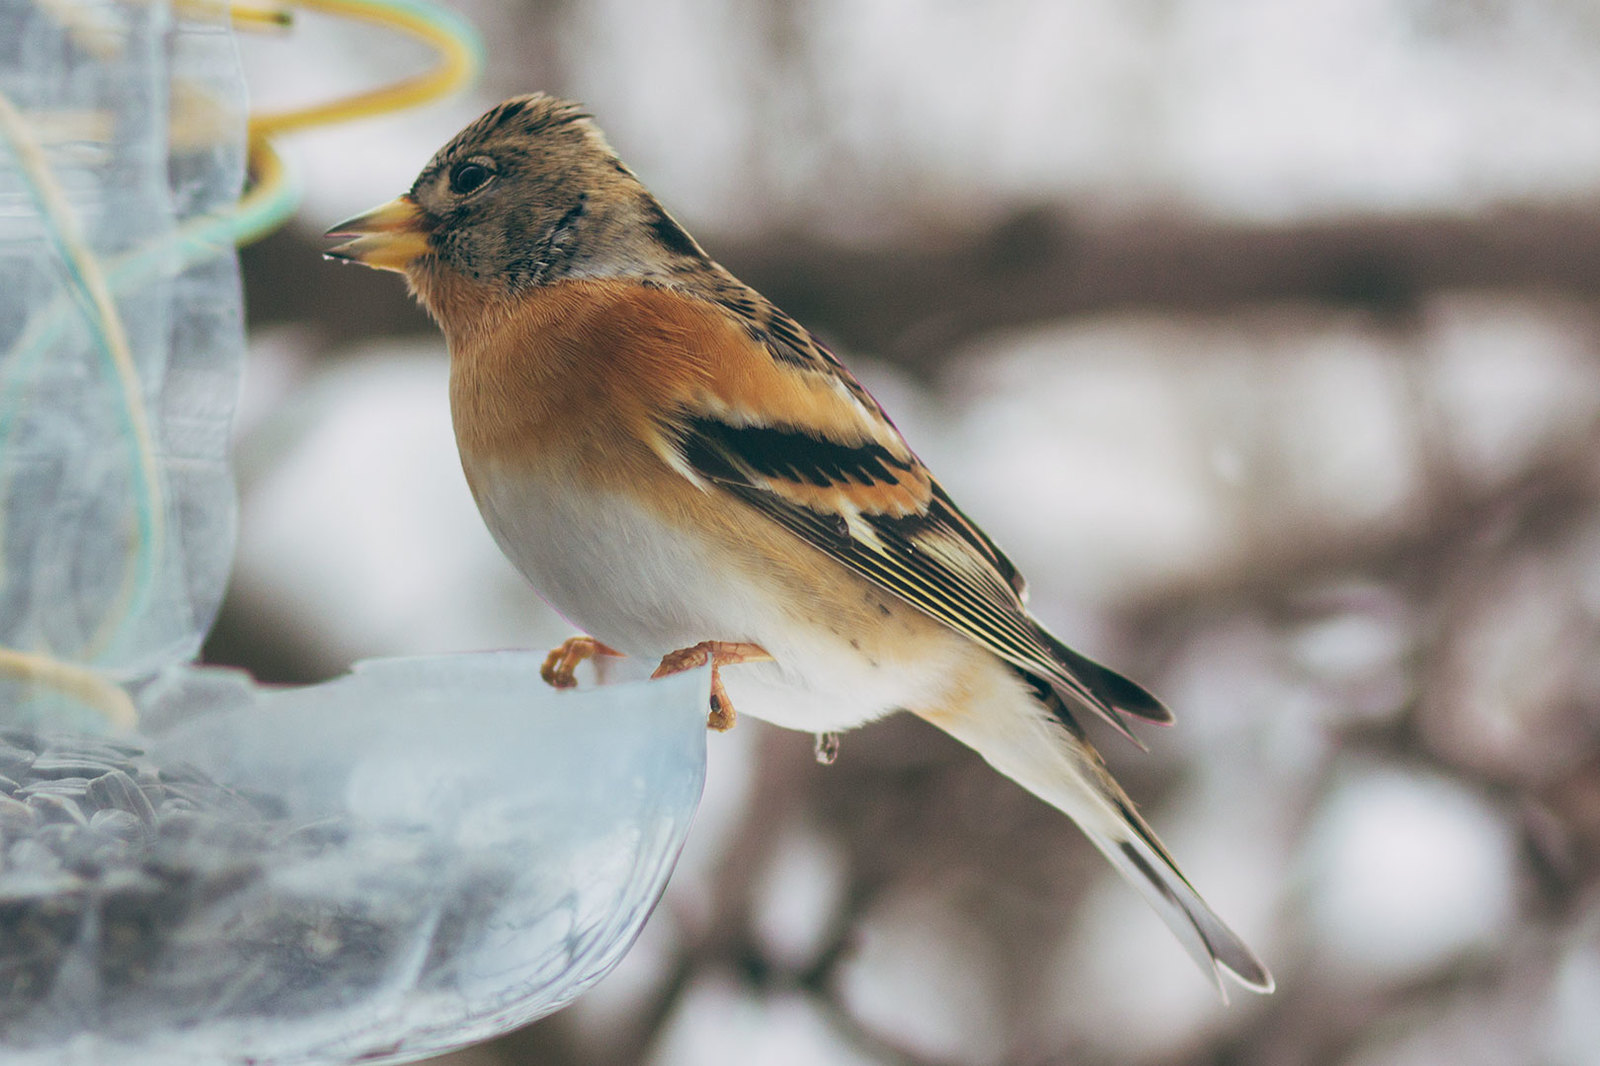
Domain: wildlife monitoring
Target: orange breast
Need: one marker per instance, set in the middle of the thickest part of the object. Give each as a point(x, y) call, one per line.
point(569, 375)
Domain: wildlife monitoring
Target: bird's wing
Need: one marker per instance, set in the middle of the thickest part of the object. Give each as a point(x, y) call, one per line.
point(794, 435)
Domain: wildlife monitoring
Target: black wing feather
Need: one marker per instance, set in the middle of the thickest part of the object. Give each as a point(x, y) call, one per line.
point(982, 601)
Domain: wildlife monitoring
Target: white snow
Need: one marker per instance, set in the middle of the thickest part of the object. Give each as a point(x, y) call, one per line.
point(797, 897)
point(718, 1022)
point(926, 979)
point(1407, 872)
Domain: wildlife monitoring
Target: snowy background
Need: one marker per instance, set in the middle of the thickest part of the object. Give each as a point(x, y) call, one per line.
point(1264, 336)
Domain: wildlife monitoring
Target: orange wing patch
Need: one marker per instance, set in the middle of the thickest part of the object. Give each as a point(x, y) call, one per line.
point(806, 432)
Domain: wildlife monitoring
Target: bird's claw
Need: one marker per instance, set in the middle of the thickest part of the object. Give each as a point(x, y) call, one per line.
point(560, 665)
point(718, 653)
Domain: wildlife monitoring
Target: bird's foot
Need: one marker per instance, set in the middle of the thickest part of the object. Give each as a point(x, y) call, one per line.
point(718, 653)
point(559, 665)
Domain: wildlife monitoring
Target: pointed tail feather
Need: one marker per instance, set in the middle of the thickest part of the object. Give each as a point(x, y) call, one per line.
point(1141, 859)
point(1016, 733)
point(1108, 686)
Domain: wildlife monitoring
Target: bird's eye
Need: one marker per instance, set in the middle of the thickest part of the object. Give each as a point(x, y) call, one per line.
point(470, 176)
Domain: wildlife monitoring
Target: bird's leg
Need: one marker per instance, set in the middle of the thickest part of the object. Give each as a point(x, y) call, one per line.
point(559, 665)
point(718, 653)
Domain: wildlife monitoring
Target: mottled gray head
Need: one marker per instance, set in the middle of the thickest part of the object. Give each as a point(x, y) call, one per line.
point(527, 195)
point(531, 193)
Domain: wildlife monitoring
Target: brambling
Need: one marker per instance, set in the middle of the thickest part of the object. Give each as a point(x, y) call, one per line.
point(688, 475)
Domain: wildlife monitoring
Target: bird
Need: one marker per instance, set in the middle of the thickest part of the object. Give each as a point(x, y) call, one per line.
point(687, 474)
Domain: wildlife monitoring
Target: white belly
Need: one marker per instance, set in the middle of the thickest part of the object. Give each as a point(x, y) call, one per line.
point(647, 589)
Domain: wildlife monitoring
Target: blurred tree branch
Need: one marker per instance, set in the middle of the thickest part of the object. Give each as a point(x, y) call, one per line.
point(1467, 521)
point(917, 300)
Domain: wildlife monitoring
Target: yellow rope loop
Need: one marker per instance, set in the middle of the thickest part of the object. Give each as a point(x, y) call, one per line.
point(460, 58)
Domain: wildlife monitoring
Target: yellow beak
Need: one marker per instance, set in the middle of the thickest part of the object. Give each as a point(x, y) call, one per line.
point(390, 237)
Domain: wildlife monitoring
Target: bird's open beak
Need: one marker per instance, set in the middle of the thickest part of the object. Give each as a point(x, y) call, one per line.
point(390, 237)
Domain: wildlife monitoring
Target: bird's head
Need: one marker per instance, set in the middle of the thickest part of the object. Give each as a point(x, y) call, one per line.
point(527, 195)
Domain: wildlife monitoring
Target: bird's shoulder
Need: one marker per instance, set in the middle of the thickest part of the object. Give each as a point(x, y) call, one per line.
point(768, 328)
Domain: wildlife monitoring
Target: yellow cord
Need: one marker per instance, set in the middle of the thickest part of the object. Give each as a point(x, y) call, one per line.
point(80, 682)
point(460, 59)
point(269, 18)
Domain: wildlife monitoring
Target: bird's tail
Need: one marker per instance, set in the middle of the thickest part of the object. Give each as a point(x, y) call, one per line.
point(1021, 734)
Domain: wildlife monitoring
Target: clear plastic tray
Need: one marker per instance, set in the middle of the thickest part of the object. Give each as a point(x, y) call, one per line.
point(415, 857)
